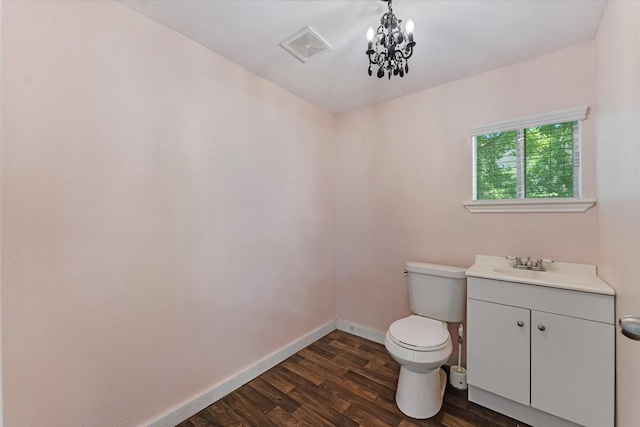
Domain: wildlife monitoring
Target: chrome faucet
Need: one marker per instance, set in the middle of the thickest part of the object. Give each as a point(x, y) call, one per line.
point(529, 264)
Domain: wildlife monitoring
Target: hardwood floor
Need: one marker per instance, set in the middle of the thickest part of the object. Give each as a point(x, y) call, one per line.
point(340, 380)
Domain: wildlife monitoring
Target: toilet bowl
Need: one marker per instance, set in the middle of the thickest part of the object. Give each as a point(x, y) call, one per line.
point(421, 343)
point(420, 346)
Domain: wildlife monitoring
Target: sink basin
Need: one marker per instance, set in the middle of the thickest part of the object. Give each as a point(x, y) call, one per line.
point(543, 275)
point(564, 275)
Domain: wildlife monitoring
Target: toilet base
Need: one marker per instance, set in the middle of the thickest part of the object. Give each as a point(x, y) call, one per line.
point(420, 395)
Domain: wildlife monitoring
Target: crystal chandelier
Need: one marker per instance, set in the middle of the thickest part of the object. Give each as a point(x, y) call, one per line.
point(393, 45)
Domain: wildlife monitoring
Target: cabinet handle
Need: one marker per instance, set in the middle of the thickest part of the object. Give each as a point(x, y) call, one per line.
point(520, 323)
point(541, 327)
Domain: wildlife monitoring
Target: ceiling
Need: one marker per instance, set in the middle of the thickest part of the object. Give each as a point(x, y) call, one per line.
point(455, 39)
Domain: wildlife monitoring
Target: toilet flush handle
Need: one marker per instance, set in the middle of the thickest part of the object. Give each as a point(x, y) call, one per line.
point(406, 273)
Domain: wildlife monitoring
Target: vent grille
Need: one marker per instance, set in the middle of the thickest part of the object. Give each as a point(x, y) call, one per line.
point(306, 44)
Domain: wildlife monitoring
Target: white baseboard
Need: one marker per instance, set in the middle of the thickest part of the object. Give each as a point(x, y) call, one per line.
point(515, 410)
point(217, 392)
point(362, 332)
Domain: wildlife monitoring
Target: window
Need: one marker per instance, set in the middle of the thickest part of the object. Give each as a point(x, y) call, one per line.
point(534, 162)
point(522, 163)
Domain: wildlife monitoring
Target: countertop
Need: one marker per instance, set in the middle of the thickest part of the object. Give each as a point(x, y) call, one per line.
point(562, 275)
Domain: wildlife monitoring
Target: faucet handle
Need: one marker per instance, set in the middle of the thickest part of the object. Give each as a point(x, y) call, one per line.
point(540, 261)
point(517, 259)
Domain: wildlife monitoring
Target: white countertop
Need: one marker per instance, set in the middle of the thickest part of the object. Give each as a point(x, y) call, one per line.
point(562, 275)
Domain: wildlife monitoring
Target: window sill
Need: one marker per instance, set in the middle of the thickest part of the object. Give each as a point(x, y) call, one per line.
point(529, 205)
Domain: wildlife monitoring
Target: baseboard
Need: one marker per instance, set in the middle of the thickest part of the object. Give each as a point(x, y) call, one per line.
point(359, 331)
point(217, 392)
point(515, 410)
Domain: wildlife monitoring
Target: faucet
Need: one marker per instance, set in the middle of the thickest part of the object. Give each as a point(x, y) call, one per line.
point(529, 264)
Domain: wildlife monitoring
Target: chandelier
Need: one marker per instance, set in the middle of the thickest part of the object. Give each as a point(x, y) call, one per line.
point(393, 45)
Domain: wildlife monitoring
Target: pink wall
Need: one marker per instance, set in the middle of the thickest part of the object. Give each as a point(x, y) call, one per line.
point(168, 217)
point(618, 179)
point(404, 169)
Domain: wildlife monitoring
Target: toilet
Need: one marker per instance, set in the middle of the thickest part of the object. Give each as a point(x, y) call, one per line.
point(421, 343)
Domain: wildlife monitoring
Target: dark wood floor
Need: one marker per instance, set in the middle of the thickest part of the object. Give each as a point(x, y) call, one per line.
point(340, 380)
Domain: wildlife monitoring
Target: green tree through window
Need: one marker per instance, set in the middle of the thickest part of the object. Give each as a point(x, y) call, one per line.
point(496, 165)
point(549, 161)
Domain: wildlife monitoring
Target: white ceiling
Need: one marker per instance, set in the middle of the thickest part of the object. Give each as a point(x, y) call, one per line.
point(455, 39)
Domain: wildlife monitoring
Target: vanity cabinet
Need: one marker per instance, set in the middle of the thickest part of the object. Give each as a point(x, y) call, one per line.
point(544, 352)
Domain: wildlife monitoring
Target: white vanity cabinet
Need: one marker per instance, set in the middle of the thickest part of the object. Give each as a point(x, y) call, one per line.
point(543, 355)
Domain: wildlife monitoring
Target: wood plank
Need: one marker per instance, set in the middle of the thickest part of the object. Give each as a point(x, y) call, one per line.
point(206, 419)
point(280, 399)
point(309, 418)
point(256, 400)
point(319, 370)
point(366, 382)
point(449, 420)
point(322, 406)
point(346, 338)
point(354, 396)
point(339, 345)
point(253, 416)
point(295, 379)
point(358, 360)
point(407, 423)
point(305, 373)
point(381, 376)
point(355, 388)
point(370, 416)
point(329, 364)
point(334, 399)
point(224, 414)
point(322, 349)
point(277, 381)
point(285, 419)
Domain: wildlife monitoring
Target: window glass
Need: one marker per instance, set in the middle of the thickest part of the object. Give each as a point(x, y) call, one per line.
point(496, 165)
point(549, 161)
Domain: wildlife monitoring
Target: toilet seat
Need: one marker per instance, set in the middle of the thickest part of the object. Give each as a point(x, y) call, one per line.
point(419, 333)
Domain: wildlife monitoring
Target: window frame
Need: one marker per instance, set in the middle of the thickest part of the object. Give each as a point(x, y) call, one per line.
point(555, 204)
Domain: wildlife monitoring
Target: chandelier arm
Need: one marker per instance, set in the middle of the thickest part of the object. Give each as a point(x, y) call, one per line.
point(376, 58)
point(408, 51)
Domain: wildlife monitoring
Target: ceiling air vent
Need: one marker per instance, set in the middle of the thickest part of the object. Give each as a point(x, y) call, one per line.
point(305, 44)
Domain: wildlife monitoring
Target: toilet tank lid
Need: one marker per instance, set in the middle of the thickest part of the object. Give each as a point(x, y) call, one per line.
point(436, 270)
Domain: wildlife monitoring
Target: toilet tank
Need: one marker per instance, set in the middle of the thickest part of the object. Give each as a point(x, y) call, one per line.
point(437, 291)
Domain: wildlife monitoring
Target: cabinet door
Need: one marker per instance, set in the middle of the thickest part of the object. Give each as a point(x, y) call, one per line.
point(572, 368)
point(498, 349)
